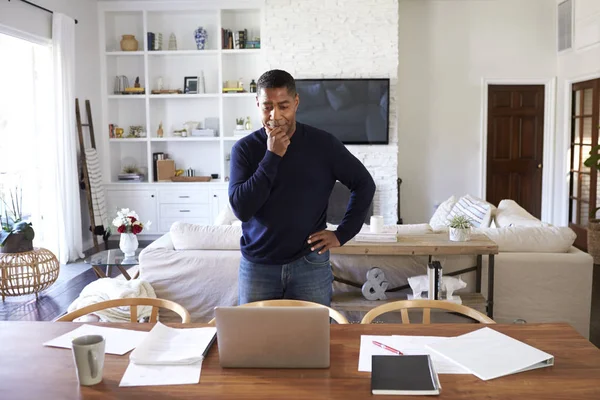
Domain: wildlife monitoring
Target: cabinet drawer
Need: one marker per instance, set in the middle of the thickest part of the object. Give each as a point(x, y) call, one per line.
point(184, 211)
point(165, 223)
point(184, 196)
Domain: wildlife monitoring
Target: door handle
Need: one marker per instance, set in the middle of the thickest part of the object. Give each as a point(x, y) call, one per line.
point(539, 166)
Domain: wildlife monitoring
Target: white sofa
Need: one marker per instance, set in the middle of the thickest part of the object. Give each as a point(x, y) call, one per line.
point(539, 275)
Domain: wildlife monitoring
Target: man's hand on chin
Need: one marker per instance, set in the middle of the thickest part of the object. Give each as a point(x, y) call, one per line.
point(323, 241)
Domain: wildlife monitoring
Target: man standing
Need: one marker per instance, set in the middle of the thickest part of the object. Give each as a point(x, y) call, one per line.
point(281, 178)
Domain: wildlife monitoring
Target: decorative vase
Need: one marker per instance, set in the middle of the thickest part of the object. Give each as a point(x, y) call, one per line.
point(200, 35)
point(128, 244)
point(459, 235)
point(129, 43)
point(593, 239)
point(16, 243)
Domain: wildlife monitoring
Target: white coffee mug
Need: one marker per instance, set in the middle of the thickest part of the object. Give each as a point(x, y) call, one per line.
point(376, 224)
point(88, 354)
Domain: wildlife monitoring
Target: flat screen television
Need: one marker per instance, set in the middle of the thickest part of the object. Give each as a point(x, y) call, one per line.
point(356, 111)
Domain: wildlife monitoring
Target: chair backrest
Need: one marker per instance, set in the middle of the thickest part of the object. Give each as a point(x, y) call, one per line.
point(132, 302)
point(426, 305)
point(333, 314)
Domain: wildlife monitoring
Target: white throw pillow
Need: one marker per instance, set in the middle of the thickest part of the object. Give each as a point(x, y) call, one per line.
point(477, 210)
point(439, 217)
point(532, 239)
point(510, 213)
point(226, 216)
point(186, 236)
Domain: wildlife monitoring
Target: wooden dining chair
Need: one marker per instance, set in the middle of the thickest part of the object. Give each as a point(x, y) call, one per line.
point(404, 305)
point(333, 314)
point(133, 303)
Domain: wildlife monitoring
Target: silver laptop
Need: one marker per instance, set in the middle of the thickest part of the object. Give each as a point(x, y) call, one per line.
point(273, 337)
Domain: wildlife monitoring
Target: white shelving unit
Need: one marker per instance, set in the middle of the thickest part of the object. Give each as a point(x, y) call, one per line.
point(205, 155)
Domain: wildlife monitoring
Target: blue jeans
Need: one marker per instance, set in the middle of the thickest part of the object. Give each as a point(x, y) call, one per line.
point(309, 278)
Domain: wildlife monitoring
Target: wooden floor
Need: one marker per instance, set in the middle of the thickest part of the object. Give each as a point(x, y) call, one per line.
point(54, 301)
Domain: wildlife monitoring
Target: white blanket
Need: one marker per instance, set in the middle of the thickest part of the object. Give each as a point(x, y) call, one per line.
point(110, 289)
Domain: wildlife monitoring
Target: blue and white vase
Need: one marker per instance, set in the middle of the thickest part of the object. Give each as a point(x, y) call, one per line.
point(200, 37)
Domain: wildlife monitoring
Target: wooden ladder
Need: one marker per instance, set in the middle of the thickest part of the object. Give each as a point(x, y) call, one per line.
point(86, 177)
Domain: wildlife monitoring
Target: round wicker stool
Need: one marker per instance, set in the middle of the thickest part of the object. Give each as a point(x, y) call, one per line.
point(28, 272)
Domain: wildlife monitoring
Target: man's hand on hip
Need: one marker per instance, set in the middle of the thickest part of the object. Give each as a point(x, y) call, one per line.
point(323, 241)
point(277, 141)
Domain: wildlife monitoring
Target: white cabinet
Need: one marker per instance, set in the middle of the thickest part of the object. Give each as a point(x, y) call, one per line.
point(164, 204)
point(143, 202)
point(219, 198)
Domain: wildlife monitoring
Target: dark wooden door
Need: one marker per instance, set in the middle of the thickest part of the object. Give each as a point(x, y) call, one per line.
point(515, 143)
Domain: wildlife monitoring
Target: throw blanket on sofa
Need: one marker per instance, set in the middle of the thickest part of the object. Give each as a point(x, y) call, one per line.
point(110, 289)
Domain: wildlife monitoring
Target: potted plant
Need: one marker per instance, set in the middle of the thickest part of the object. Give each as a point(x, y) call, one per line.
point(593, 229)
point(460, 229)
point(239, 124)
point(16, 235)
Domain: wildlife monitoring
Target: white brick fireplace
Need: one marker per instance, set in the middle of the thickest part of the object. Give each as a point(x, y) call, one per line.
point(342, 39)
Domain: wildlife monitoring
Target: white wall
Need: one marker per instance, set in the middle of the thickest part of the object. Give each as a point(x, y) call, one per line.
point(342, 39)
point(446, 48)
point(27, 18)
point(578, 64)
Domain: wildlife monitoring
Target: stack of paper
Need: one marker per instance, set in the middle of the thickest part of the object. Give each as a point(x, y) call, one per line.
point(118, 341)
point(376, 237)
point(407, 345)
point(169, 356)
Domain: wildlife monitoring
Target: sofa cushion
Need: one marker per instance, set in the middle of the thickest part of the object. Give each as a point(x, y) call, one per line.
point(439, 217)
point(226, 216)
point(186, 236)
point(531, 239)
point(477, 210)
point(510, 213)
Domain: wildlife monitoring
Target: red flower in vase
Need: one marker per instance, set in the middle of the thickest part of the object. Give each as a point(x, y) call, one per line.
point(136, 229)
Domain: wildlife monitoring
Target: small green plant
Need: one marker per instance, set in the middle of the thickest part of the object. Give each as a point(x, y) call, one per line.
point(11, 216)
point(131, 169)
point(460, 222)
point(593, 161)
point(239, 121)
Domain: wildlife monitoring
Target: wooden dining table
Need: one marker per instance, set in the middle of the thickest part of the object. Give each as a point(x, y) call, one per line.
point(29, 370)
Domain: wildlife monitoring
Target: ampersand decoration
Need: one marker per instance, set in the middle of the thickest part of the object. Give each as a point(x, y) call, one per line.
point(375, 286)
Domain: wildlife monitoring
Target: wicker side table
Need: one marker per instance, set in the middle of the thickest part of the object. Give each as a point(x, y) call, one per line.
point(28, 272)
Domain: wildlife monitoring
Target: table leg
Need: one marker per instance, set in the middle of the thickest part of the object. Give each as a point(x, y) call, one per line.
point(98, 271)
point(491, 286)
point(108, 270)
point(478, 274)
point(124, 272)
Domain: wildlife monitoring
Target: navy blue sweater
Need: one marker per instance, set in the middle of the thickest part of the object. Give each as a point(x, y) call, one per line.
point(283, 200)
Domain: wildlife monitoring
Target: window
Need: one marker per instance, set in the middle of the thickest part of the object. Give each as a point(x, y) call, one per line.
point(25, 115)
point(584, 191)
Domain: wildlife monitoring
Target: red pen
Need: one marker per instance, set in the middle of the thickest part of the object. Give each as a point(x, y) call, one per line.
point(388, 348)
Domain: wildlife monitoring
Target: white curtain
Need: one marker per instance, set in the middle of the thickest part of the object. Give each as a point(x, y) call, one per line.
point(62, 209)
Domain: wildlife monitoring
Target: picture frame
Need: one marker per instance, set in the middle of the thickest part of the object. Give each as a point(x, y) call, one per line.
point(190, 85)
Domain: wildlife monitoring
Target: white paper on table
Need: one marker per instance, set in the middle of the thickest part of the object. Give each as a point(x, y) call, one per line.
point(157, 375)
point(118, 341)
point(417, 345)
point(173, 346)
point(407, 345)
